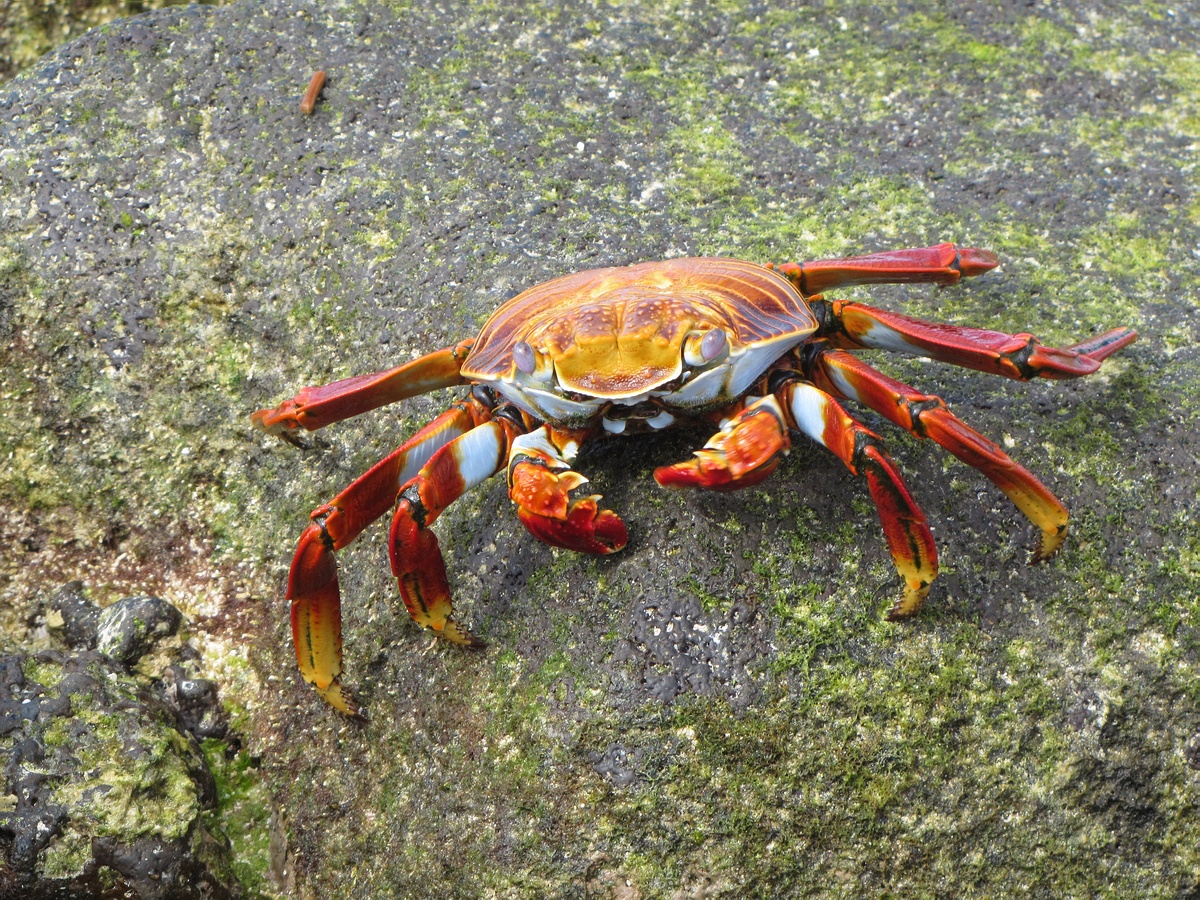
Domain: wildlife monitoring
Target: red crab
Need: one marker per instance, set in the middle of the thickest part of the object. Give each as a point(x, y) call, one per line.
point(755, 349)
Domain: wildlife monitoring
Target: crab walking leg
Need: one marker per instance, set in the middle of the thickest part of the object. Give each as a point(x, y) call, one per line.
point(745, 451)
point(749, 445)
point(1019, 356)
point(943, 264)
point(823, 419)
point(925, 415)
point(416, 557)
point(540, 482)
point(312, 581)
point(321, 405)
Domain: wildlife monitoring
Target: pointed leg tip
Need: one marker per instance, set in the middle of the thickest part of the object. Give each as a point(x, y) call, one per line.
point(910, 604)
point(1084, 357)
point(1111, 342)
point(975, 261)
point(265, 419)
point(1048, 545)
point(463, 637)
point(342, 699)
point(472, 641)
point(276, 420)
point(293, 438)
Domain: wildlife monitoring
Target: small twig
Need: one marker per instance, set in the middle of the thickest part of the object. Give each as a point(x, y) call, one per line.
point(309, 103)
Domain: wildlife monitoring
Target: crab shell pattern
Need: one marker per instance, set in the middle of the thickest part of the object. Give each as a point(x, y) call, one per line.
point(756, 350)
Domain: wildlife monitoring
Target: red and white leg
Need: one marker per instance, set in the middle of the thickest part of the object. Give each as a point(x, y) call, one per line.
point(312, 581)
point(909, 539)
point(857, 325)
point(416, 557)
point(749, 446)
point(321, 405)
point(1020, 356)
point(541, 483)
point(925, 415)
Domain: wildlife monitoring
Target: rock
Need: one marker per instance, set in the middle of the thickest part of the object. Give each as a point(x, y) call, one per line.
point(130, 628)
point(196, 703)
point(102, 791)
point(70, 611)
point(179, 246)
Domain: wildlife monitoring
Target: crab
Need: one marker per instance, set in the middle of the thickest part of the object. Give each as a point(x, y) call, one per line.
point(755, 350)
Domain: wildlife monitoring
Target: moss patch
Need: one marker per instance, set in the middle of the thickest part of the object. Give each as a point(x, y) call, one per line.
point(718, 709)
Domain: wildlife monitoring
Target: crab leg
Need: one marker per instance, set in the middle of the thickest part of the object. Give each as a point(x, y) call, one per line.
point(925, 415)
point(943, 264)
point(312, 581)
point(416, 557)
point(540, 482)
point(761, 428)
point(823, 419)
point(321, 405)
point(1019, 356)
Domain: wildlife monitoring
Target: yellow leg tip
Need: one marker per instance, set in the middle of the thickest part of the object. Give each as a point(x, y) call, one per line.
point(1049, 543)
point(340, 698)
point(456, 633)
point(912, 601)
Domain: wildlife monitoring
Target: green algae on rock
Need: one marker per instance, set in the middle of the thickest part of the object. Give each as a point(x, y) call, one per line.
point(181, 251)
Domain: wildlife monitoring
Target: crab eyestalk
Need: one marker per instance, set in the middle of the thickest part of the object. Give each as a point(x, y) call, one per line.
point(537, 366)
point(704, 348)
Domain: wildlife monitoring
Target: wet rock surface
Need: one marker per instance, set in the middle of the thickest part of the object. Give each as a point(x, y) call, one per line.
point(720, 708)
point(129, 628)
point(75, 616)
point(105, 786)
point(105, 792)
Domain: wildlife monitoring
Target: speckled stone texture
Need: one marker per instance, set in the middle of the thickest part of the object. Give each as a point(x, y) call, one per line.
point(719, 710)
point(104, 789)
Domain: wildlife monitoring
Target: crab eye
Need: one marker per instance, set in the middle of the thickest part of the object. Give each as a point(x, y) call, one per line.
point(713, 344)
point(531, 362)
point(524, 357)
point(701, 348)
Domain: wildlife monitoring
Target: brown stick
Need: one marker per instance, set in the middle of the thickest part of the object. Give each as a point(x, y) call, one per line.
point(309, 103)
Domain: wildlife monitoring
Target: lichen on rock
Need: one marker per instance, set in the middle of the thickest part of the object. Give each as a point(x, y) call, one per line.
point(107, 791)
point(719, 709)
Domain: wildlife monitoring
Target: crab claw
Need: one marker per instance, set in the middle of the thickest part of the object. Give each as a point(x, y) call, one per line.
point(586, 528)
point(542, 496)
point(711, 470)
point(744, 452)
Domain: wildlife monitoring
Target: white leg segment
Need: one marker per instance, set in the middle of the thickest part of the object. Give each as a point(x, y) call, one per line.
point(809, 407)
